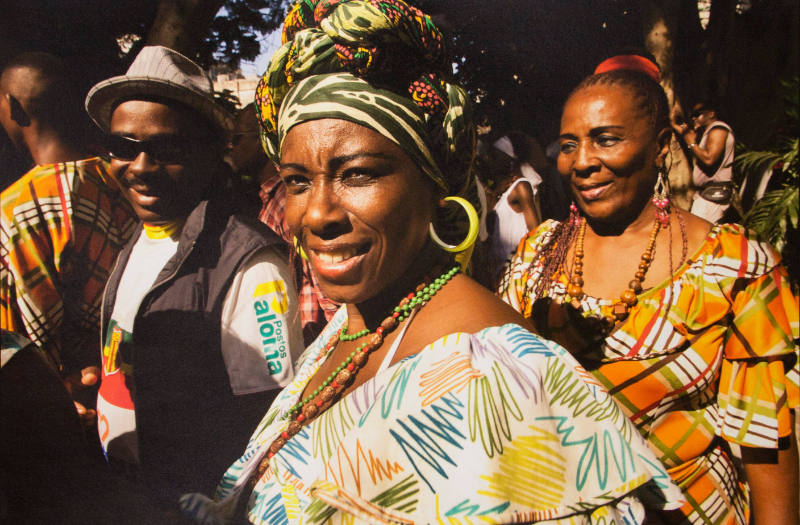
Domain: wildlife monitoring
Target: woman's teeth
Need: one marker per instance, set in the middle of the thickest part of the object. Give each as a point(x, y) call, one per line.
point(337, 256)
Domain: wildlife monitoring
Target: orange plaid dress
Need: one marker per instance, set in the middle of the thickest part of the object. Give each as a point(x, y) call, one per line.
point(703, 360)
point(61, 227)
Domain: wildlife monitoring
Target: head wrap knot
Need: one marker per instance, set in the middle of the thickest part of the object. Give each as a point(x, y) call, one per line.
point(377, 63)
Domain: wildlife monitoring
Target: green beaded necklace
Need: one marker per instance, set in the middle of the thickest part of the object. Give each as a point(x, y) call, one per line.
point(341, 376)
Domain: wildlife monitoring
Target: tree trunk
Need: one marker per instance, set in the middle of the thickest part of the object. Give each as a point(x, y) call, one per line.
point(661, 20)
point(183, 24)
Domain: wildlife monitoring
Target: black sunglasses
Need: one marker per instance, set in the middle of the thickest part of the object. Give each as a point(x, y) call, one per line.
point(163, 150)
point(697, 112)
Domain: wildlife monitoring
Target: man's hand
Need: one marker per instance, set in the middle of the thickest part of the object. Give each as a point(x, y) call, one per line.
point(78, 385)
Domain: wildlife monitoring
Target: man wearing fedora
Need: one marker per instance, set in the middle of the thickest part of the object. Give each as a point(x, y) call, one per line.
point(199, 315)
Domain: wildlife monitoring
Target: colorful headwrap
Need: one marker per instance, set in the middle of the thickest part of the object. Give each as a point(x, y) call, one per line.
point(633, 62)
point(377, 63)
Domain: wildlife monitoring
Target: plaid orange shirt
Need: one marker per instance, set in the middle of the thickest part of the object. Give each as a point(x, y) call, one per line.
point(315, 309)
point(61, 227)
point(704, 359)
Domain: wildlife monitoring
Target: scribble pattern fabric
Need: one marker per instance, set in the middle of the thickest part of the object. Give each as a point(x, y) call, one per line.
point(61, 228)
point(499, 426)
point(708, 358)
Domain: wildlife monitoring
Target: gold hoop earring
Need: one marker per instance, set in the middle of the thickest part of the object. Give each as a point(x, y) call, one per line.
point(472, 233)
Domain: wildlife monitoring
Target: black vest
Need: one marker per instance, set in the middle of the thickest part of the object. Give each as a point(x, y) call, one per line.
point(189, 424)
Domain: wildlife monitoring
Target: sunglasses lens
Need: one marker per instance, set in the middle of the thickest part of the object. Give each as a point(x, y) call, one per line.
point(169, 150)
point(122, 148)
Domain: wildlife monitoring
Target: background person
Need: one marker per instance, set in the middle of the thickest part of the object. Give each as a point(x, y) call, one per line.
point(422, 370)
point(47, 467)
point(199, 311)
point(691, 327)
point(512, 189)
point(250, 166)
point(62, 224)
point(711, 145)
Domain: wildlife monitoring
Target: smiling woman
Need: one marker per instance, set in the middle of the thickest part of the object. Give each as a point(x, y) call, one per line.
point(423, 379)
point(693, 329)
point(359, 204)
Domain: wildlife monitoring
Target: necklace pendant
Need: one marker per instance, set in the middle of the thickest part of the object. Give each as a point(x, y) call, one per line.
point(620, 311)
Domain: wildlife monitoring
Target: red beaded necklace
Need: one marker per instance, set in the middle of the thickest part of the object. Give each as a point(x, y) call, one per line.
point(312, 405)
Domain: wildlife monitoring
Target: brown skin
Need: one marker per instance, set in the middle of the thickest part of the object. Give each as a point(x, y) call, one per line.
point(19, 86)
point(773, 479)
point(708, 157)
point(503, 169)
point(521, 200)
point(161, 193)
point(610, 154)
point(244, 151)
point(169, 191)
point(353, 193)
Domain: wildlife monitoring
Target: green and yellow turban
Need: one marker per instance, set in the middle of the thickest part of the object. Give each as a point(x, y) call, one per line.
point(377, 63)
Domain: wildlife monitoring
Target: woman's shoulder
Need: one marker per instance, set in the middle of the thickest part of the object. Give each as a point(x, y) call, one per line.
point(470, 307)
point(461, 307)
point(736, 251)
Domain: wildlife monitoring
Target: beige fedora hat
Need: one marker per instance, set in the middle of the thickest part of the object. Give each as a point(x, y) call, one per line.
point(158, 71)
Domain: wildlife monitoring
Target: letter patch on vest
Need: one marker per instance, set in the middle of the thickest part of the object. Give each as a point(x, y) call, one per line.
point(270, 301)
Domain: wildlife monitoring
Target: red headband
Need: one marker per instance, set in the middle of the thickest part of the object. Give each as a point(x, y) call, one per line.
point(634, 62)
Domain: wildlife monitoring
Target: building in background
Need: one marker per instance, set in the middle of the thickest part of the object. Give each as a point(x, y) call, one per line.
point(241, 86)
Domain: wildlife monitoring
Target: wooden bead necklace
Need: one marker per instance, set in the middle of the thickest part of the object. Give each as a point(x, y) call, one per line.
point(628, 298)
point(342, 375)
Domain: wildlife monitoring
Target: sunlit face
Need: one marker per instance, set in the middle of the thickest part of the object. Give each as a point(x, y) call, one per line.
point(609, 152)
point(357, 202)
point(162, 190)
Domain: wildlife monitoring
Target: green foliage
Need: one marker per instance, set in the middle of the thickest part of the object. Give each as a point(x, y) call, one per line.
point(776, 217)
point(235, 33)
